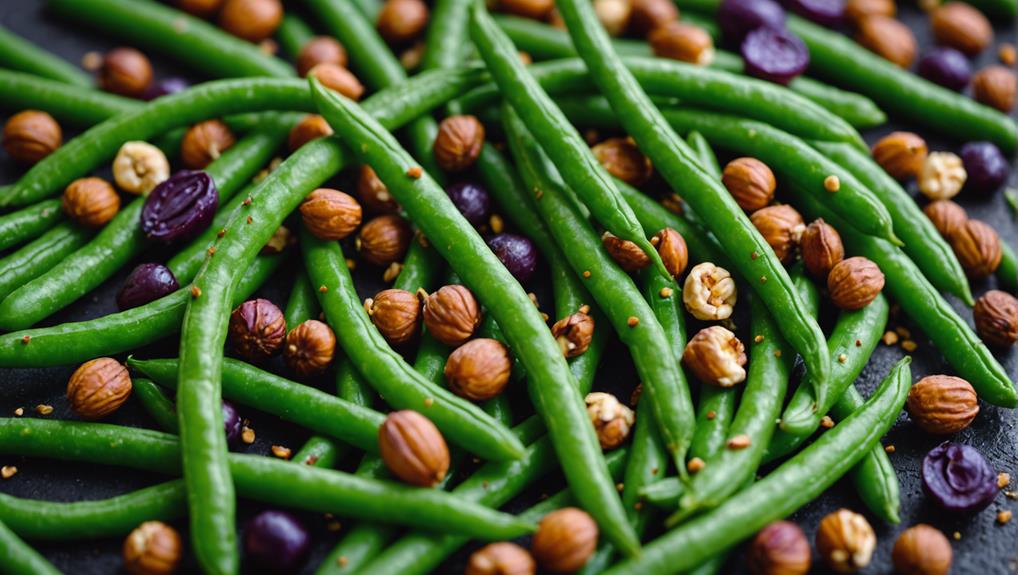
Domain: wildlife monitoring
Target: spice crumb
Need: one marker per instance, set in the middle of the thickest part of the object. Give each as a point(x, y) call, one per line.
point(889, 449)
point(858, 343)
point(763, 279)
point(777, 353)
point(665, 292)
point(956, 535)
point(711, 415)
point(741, 441)
point(212, 250)
point(92, 60)
point(195, 291)
point(1003, 516)
point(890, 338)
point(19, 411)
point(827, 422)
point(429, 402)
point(832, 183)
point(633, 321)
point(26, 339)
point(1007, 54)
point(695, 464)
point(496, 224)
point(43, 409)
point(392, 272)
point(484, 484)
point(342, 561)
point(1003, 479)
point(620, 487)
point(758, 339)
point(909, 345)
point(586, 273)
point(903, 332)
point(311, 460)
point(250, 219)
point(842, 358)
point(351, 264)
point(281, 452)
point(8, 471)
point(247, 201)
point(221, 233)
point(322, 289)
point(754, 255)
point(414, 172)
point(247, 435)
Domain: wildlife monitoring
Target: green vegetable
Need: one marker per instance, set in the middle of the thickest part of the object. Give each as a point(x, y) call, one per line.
point(18, 558)
point(36, 257)
point(293, 33)
point(67, 103)
point(1007, 270)
point(664, 494)
point(704, 153)
point(16, 53)
point(28, 223)
point(155, 403)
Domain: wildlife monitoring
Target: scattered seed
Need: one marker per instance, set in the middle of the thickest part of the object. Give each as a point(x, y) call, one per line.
point(858, 343)
point(909, 345)
point(758, 338)
point(322, 289)
point(415, 172)
point(43, 409)
point(1003, 479)
point(212, 250)
point(247, 201)
point(763, 279)
point(8, 471)
point(741, 441)
point(250, 219)
point(827, 422)
point(711, 415)
point(956, 535)
point(695, 464)
point(665, 292)
point(832, 183)
point(311, 460)
point(586, 273)
point(903, 332)
point(26, 339)
point(842, 358)
point(754, 255)
point(1007, 54)
point(889, 338)
point(221, 233)
point(342, 561)
point(19, 411)
point(889, 449)
point(584, 309)
point(281, 452)
point(334, 526)
point(496, 224)
point(633, 321)
point(195, 291)
point(620, 486)
point(1003, 516)
point(247, 435)
point(92, 61)
point(429, 402)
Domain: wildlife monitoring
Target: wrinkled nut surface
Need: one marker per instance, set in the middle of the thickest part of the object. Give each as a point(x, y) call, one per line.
point(922, 550)
point(91, 202)
point(384, 239)
point(821, 248)
point(942, 404)
point(709, 292)
point(671, 246)
point(996, 318)
point(627, 254)
point(31, 135)
point(204, 142)
point(257, 329)
point(887, 38)
point(942, 176)
point(153, 548)
point(622, 159)
point(139, 167)
point(98, 388)
point(458, 143)
point(900, 154)
point(611, 418)
point(330, 214)
point(402, 21)
point(684, 42)
point(502, 558)
point(573, 333)
point(125, 71)
point(339, 79)
point(479, 369)
point(857, 10)
point(309, 348)
point(565, 540)
point(647, 15)
point(373, 194)
point(320, 50)
point(960, 26)
point(781, 548)
point(451, 314)
point(311, 127)
point(533, 9)
point(947, 216)
point(413, 449)
point(750, 182)
point(995, 86)
point(716, 357)
point(782, 227)
point(855, 282)
point(613, 15)
point(845, 541)
point(977, 246)
point(252, 20)
point(395, 313)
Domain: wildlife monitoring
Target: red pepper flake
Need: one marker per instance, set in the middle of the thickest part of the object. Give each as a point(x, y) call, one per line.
point(212, 250)
point(754, 255)
point(415, 172)
point(858, 343)
point(247, 201)
point(311, 460)
point(26, 339)
point(633, 321)
point(711, 415)
point(250, 219)
point(586, 274)
point(221, 233)
point(195, 291)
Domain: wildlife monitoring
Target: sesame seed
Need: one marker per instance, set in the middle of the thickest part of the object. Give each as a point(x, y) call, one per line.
point(281, 452)
point(909, 345)
point(711, 415)
point(19, 411)
point(247, 201)
point(26, 339)
point(247, 435)
point(250, 219)
point(212, 250)
point(777, 353)
point(842, 358)
point(889, 338)
point(832, 183)
point(758, 339)
point(1003, 516)
point(1003, 479)
point(322, 289)
point(889, 449)
point(763, 279)
point(586, 273)
point(827, 422)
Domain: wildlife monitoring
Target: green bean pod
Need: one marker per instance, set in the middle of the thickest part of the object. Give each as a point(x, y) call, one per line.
point(155, 402)
point(1007, 271)
point(28, 223)
point(293, 33)
point(704, 153)
point(1006, 10)
point(40, 255)
point(302, 304)
point(663, 494)
point(17, 53)
point(343, 20)
point(66, 103)
point(20, 559)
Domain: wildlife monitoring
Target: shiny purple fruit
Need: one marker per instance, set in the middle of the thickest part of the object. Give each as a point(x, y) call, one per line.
point(277, 542)
point(985, 165)
point(740, 17)
point(165, 87)
point(828, 13)
point(472, 201)
point(947, 67)
point(517, 254)
point(232, 423)
point(958, 478)
point(181, 207)
point(774, 54)
point(147, 282)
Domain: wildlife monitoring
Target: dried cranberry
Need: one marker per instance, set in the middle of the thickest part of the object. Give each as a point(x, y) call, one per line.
point(277, 542)
point(958, 478)
point(740, 17)
point(165, 87)
point(986, 167)
point(232, 423)
point(181, 207)
point(824, 12)
point(947, 67)
point(147, 282)
point(472, 201)
point(517, 254)
point(774, 54)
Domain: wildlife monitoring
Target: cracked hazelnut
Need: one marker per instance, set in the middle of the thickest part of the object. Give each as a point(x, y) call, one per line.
point(451, 314)
point(683, 42)
point(671, 246)
point(845, 541)
point(339, 79)
point(257, 329)
point(31, 135)
point(857, 10)
point(995, 86)
point(413, 449)
point(996, 318)
point(887, 38)
point(650, 14)
point(622, 159)
point(330, 214)
point(574, 333)
point(311, 127)
point(854, 283)
point(200, 8)
point(960, 26)
point(373, 194)
point(98, 388)
point(91, 202)
point(750, 182)
point(395, 313)
point(900, 154)
point(153, 548)
point(533, 9)
point(309, 348)
point(204, 142)
point(627, 254)
point(716, 357)
point(402, 21)
point(125, 71)
point(251, 20)
point(384, 239)
point(320, 50)
point(139, 167)
point(565, 540)
point(709, 292)
point(502, 558)
point(479, 369)
point(821, 248)
point(611, 418)
point(922, 550)
point(458, 143)
point(781, 548)
point(977, 246)
point(947, 216)
point(782, 227)
point(942, 176)
point(942, 404)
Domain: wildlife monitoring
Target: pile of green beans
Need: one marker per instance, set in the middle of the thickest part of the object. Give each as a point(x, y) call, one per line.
point(19, 54)
point(28, 223)
point(76, 105)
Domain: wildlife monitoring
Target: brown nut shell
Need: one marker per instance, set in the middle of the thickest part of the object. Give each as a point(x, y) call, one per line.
point(627, 254)
point(683, 42)
point(396, 313)
point(565, 540)
point(384, 239)
point(947, 216)
point(153, 548)
point(458, 143)
point(251, 20)
point(479, 369)
point(821, 248)
point(257, 329)
point(200, 8)
point(857, 10)
point(716, 357)
point(854, 283)
point(311, 127)
point(125, 71)
point(671, 246)
point(402, 21)
point(647, 15)
point(977, 246)
point(204, 142)
point(413, 449)
point(922, 550)
point(888, 38)
point(339, 79)
point(98, 388)
point(91, 202)
point(501, 558)
point(781, 227)
point(574, 333)
point(622, 159)
point(309, 348)
point(845, 541)
point(330, 214)
point(995, 86)
point(31, 135)
point(960, 26)
point(900, 154)
point(452, 314)
point(781, 548)
point(750, 182)
point(373, 194)
point(996, 318)
point(533, 9)
point(942, 404)
point(320, 50)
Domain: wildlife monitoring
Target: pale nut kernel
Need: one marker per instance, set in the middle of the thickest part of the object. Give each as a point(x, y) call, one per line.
point(627, 254)
point(402, 21)
point(995, 86)
point(611, 418)
point(716, 357)
point(650, 14)
point(330, 214)
point(338, 79)
point(822, 248)
point(152, 548)
point(309, 348)
point(31, 135)
point(98, 388)
point(384, 239)
point(781, 227)
point(960, 26)
point(320, 50)
point(396, 313)
point(900, 154)
point(781, 548)
point(613, 15)
point(413, 449)
point(565, 540)
point(574, 333)
point(373, 194)
point(204, 142)
point(922, 550)
point(854, 282)
point(888, 38)
point(533, 9)
point(91, 202)
point(709, 292)
point(942, 404)
point(683, 42)
point(996, 318)
point(947, 216)
point(845, 541)
point(856, 10)
point(139, 167)
point(311, 127)
point(452, 314)
point(502, 558)
point(479, 369)
point(458, 143)
point(624, 160)
point(977, 247)
point(942, 176)
point(671, 246)
point(750, 182)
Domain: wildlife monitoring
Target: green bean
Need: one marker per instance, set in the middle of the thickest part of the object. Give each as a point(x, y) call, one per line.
point(293, 33)
point(714, 411)
point(28, 223)
point(357, 33)
point(712, 566)
point(17, 558)
point(38, 256)
point(67, 103)
point(303, 302)
point(708, 161)
point(1007, 271)
point(155, 403)
point(664, 494)
point(1006, 10)
point(17, 53)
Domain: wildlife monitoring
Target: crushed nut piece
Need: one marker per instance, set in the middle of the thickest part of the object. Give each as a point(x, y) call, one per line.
point(8, 471)
point(1003, 516)
point(909, 345)
point(695, 464)
point(739, 442)
point(827, 422)
point(890, 338)
point(247, 435)
point(281, 452)
point(43, 409)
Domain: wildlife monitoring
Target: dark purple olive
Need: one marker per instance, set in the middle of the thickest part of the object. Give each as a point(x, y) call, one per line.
point(472, 201)
point(147, 282)
point(828, 13)
point(517, 254)
point(165, 87)
point(947, 67)
point(986, 167)
point(277, 542)
point(740, 17)
point(232, 423)
point(958, 478)
point(774, 54)
point(181, 207)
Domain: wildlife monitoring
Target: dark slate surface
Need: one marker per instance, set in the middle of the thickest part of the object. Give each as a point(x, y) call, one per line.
point(981, 547)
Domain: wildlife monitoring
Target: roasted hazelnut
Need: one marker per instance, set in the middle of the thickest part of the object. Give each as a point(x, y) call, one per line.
point(900, 154)
point(845, 541)
point(458, 143)
point(960, 26)
point(339, 79)
point(402, 21)
point(857, 10)
point(750, 182)
point(683, 42)
point(947, 216)
point(996, 318)
point(204, 142)
point(533, 9)
point(153, 548)
point(200, 8)
point(257, 329)
point(622, 159)
point(821, 248)
point(139, 167)
point(716, 357)
point(451, 314)
point(781, 548)
point(309, 348)
point(888, 38)
point(320, 50)
point(98, 388)
point(709, 292)
point(671, 246)
point(922, 550)
point(125, 71)
point(995, 86)
point(627, 254)
point(384, 239)
point(942, 404)
point(782, 227)
point(31, 135)
point(479, 369)
point(565, 540)
point(854, 283)
point(252, 20)
point(502, 558)
point(311, 127)
point(650, 14)
point(330, 214)
point(942, 176)
point(395, 313)
point(91, 202)
point(413, 449)
point(977, 247)
point(573, 333)
point(373, 194)
point(611, 418)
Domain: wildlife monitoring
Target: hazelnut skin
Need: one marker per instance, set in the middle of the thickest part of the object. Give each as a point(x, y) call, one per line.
point(900, 154)
point(627, 254)
point(888, 38)
point(31, 135)
point(845, 541)
point(565, 540)
point(821, 248)
point(458, 143)
point(922, 550)
point(995, 86)
point(320, 50)
point(311, 127)
point(574, 333)
point(612, 419)
point(709, 292)
point(451, 314)
point(257, 329)
point(91, 202)
point(996, 318)
point(339, 79)
point(977, 246)
point(479, 369)
point(402, 21)
point(750, 182)
point(684, 42)
point(857, 10)
point(942, 404)
point(671, 246)
point(781, 548)
point(716, 357)
point(98, 388)
point(413, 449)
point(854, 283)
point(373, 194)
point(622, 159)
point(309, 348)
point(960, 26)
point(947, 216)
point(650, 14)
point(782, 227)
point(200, 8)
point(502, 558)
point(330, 214)
point(125, 71)
point(204, 142)
point(153, 548)
point(384, 239)
point(251, 20)
point(395, 313)
point(533, 9)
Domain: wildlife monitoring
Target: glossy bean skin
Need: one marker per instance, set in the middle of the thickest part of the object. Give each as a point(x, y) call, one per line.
point(1005, 9)
point(20, 559)
point(36, 257)
point(17, 53)
point(1007, 271)
point(66, 103)
point(705, 155)
point(302, 304)
point(155, 402)
point(28, 223)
